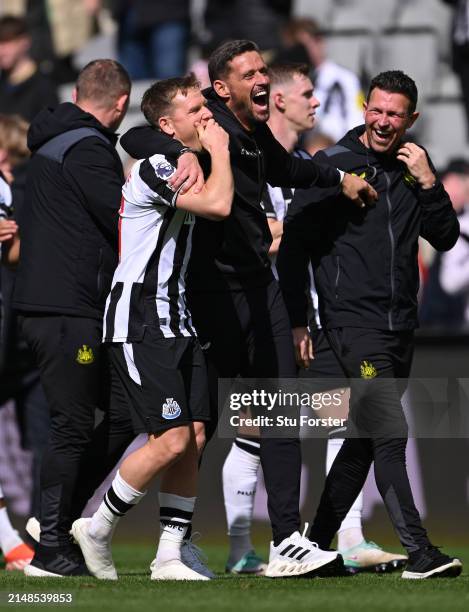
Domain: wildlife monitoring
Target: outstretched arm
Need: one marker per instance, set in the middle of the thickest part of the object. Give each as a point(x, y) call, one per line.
point(145, 141)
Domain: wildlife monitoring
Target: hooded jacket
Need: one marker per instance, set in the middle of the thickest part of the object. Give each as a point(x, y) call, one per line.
point(69, 219)
point(233, 254)
point(364, 260)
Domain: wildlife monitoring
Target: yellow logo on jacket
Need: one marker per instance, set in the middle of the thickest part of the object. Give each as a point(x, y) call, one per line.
point(409, 179)
point(367, 370)
point(85, 355)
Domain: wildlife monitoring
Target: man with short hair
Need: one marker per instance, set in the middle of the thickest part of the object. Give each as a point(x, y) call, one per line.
point(68, 255)
point(235, 301)
point(366, 273)
point(149, 333)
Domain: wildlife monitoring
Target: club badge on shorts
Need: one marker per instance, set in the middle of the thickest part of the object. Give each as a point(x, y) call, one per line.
point(171, 409)
point(85, 355)
point(367, 370)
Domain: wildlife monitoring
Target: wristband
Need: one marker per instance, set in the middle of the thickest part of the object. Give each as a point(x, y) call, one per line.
point(342, 174)
point(186, 150)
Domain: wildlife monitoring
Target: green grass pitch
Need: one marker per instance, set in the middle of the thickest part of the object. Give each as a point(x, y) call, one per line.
point(135, 591)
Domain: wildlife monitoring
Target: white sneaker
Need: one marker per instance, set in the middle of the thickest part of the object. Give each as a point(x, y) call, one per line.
point(298, 556)
point(174, 570)
point(97, 555)
point(194, 558)
point(33, 528)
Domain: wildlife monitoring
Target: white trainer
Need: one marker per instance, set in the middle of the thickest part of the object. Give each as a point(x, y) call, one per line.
point(194, 558)
point(174, 570)
point(97, 555)
point(33, 528)
point(298, 556)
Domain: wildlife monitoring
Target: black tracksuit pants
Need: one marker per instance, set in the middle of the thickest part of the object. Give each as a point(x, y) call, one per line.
point(377, 363)
point(248, 334)
point(76, 381)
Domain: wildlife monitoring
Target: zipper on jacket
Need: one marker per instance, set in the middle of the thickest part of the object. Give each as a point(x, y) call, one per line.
point(337, 276)
point(393, 247)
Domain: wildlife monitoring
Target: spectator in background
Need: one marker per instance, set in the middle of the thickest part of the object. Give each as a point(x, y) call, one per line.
point(153, 37)
point(440, 307)
point(23, 89)
point(15, 552)
point(460, 36)
point(19, 378)
point(454, 265)
point(257, 20)
point(338, 89)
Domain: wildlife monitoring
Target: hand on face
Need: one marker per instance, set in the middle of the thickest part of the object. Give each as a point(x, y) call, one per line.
point(415, 158)
point(212, 136)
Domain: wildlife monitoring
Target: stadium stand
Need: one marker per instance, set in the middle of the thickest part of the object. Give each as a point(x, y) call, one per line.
point(320, 10)
point(413, 50)
point(444, 129)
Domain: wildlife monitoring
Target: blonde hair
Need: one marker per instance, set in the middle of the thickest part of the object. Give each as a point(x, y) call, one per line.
point(13, 138)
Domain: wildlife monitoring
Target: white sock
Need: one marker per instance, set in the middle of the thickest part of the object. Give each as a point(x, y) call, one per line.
point(350, 532)
point(9, 537)
point(117, 501)
point(239, 488)
point(175, 521)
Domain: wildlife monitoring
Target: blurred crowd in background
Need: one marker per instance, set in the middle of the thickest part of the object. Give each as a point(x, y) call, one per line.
point(44, 43)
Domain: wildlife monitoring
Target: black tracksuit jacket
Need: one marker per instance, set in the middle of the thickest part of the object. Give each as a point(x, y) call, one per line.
point(364, 260)
point(233, 254)
point(69, 219)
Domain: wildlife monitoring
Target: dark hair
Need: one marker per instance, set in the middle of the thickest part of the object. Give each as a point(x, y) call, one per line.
point(157, 99)
point(102, 81)
point(12, 27)
point(395, 81)
point(285, 71)
point(457, 165)
point(218, 63)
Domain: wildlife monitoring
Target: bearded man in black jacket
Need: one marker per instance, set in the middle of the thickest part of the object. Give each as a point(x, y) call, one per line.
point(68, 255)
point(234, 299)
point(366, 274)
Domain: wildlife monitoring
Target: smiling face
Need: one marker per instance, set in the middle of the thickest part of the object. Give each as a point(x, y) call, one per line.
point(387, 118)
point(300, 103)
point(245, 89)
point(186, 110)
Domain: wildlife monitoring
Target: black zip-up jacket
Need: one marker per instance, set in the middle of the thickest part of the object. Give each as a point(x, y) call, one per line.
point(364, 260)
point(69, 219)
point(233, 254)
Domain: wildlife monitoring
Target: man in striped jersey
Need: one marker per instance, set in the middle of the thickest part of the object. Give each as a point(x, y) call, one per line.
point(235, 301)
point(148, 328)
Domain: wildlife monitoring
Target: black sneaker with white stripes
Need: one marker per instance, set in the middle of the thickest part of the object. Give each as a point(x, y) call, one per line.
point(57, 562)
point(298, 557)
point(429, 562)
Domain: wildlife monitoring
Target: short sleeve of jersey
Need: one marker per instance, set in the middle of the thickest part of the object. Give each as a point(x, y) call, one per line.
point(5, 199)
point(154, 173)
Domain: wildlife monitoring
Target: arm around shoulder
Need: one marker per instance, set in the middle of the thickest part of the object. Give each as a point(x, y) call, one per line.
point(214, 200)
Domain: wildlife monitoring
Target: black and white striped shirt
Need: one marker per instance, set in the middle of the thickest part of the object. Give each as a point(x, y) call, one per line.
point(275, 204)
point(148, 288)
